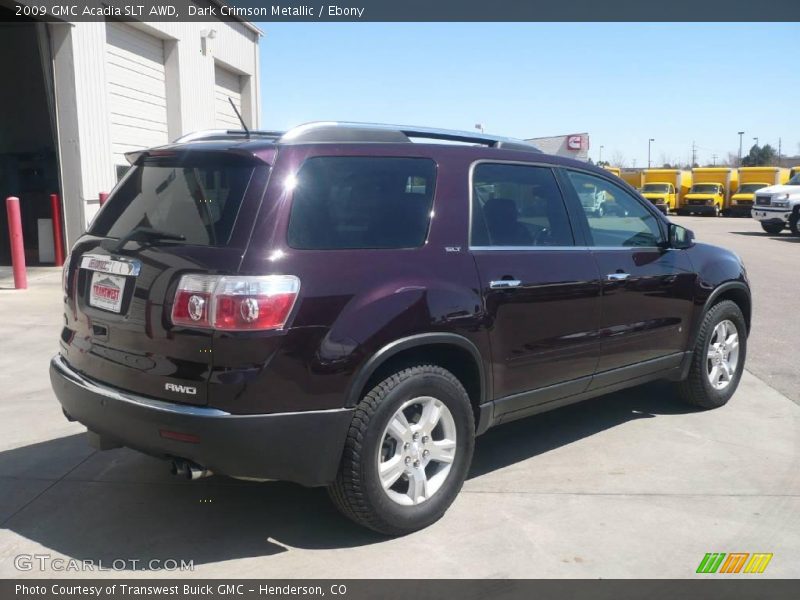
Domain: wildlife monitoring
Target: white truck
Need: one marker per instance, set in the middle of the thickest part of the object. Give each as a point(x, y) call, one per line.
point(778, 206)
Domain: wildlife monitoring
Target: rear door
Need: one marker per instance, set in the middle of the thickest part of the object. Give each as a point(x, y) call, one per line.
point(119, 294)
point(541, 291)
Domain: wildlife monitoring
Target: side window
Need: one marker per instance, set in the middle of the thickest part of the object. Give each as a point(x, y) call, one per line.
point(616, 218)
point(349, 202)
point(517, 205)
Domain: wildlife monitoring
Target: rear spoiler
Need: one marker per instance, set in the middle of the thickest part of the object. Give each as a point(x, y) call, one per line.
point(135, 156)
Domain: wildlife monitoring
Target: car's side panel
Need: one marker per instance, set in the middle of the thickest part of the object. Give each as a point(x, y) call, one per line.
point(352, 303)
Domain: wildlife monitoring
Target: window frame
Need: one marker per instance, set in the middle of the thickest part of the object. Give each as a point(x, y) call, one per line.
point(428, 229)
point(578, 236)
point(582, 221)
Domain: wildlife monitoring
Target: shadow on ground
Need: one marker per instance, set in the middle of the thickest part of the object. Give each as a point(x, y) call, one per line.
point(120, 504)
point(777, 238)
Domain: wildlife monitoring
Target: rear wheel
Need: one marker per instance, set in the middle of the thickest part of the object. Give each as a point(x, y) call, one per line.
point(718, 358)
point(772, 228)
point(407, 451)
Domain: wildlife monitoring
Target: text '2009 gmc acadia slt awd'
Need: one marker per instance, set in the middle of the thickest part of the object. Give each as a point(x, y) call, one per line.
point(346, 305)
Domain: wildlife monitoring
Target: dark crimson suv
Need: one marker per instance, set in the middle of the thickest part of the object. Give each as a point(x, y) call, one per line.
point(349, 305)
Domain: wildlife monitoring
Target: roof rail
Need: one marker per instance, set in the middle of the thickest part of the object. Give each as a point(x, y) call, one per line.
point(341, 131)
point(227, 134)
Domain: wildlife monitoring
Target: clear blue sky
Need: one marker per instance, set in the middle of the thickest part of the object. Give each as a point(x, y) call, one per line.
point(622, 83)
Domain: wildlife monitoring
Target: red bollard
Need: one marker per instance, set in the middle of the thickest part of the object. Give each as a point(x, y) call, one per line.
point(58, 241)
point(103, 197)
point(17, 245)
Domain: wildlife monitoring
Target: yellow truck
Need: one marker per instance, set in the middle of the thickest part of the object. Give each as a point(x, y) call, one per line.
point(750, 180)
point(615, 170)
point(634, 178)
point(665, 188)
point(794, 171)
point(711, 191)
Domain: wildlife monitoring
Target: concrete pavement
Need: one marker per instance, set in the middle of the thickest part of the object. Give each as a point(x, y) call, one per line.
point(633, 484)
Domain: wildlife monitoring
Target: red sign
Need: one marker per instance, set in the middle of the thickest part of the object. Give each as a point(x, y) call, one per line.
point(575, 142)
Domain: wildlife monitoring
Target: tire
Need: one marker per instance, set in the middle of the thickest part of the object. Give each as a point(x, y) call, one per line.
point(772, 228)
point(697, 389)
point(794, 223)
point(358, 491)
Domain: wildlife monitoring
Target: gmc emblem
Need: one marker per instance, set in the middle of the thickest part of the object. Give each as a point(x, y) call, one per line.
point(180, 389)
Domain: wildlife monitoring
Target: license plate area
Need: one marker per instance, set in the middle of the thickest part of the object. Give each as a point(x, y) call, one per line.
point(107, 282)
point(106, 291)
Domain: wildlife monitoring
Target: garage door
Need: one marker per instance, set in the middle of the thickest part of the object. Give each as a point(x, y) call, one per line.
point(137, 96)
point(227, 85)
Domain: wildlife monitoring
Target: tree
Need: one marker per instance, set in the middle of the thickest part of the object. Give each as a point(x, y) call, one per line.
point(618, 160)
point(760, 156)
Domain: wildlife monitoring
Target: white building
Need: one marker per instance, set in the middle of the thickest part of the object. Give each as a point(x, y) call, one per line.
point(573, 145)
point(86, 93)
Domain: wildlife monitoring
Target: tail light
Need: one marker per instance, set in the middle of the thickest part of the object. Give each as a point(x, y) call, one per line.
point(235, 303)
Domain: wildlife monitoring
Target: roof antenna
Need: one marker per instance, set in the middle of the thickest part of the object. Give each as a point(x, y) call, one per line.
point(241, 120)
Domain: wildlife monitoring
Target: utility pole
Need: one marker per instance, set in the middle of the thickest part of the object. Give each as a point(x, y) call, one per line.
point(650, 141)
point(741, 133)
point(713, 160)
point(600, 158)
point(756, 140)
point(694, 154)
point(779, 152)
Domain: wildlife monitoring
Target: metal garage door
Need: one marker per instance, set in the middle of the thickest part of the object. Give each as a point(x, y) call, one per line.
point(137, 96)
point(227, 85)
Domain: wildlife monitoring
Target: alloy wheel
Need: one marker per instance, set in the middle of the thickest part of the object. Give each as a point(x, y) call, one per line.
point(722, 357)
point(417, 451)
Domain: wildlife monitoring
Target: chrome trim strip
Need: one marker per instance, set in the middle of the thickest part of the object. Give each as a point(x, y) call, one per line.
point(108, 264)
point(68, 372)
point(565, 248)
point(170, 407)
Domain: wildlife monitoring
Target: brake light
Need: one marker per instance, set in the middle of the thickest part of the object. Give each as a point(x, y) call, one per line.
point(235, 303)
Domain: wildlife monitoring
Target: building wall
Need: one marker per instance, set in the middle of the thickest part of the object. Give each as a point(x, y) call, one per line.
point(575, 145)
point(79, 58)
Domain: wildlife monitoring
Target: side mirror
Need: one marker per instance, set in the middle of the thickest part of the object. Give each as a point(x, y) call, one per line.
point(680, 238)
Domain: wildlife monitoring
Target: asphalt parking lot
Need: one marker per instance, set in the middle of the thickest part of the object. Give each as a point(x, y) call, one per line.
point(633, 484)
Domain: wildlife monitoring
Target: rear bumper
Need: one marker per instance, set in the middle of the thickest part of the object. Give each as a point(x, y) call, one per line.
point(303, 447)
point(740, 210)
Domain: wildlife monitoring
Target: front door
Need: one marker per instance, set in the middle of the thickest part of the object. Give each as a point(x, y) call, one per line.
point(541, 292)
point(647, 289)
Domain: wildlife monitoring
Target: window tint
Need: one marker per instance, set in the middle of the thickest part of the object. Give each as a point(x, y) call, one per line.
point(517, 205)
point(198, 200)
point(615, 217)
point(344, 202)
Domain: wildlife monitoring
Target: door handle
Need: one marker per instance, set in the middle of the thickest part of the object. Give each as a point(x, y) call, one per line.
point(505, 283)
point(617, 276)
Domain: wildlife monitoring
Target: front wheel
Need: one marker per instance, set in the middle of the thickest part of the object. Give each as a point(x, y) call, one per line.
point(794, 223)
point(407, 451)
point(718, 357)
point(772, 228)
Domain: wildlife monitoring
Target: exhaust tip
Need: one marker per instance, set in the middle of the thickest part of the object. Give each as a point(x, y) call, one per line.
point(189, 470)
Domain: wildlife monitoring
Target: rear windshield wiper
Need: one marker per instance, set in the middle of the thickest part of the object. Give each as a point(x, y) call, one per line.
point(148, 234)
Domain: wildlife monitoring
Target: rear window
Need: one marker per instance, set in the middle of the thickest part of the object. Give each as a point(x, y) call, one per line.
point(198, 200)
point(346, 202)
